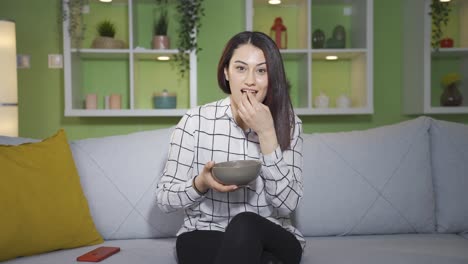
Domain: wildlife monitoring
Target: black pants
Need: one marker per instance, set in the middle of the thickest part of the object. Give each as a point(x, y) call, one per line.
point(249, 238)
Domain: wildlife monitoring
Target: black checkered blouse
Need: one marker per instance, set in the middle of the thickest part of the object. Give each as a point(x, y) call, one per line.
point(209, 132)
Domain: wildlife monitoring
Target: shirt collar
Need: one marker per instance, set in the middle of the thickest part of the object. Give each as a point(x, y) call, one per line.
point(225, 109)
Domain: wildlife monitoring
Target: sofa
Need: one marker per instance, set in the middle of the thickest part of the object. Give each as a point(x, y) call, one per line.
point(393, 194)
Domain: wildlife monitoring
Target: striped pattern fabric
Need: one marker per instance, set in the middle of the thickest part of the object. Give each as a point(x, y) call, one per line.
point(209, 132)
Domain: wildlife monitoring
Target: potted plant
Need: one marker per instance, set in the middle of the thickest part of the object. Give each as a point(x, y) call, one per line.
point(189, 14)
point(440, 12)
point(451, 96)
point(106, 29)
point(160, 26)
point(105, 38)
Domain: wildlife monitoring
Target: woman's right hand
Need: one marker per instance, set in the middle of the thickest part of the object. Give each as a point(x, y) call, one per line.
point(205, 181)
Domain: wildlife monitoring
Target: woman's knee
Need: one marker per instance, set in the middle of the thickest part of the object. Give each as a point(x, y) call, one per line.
point(242, 231)
point(244, 220)
point(198, 244)
point(244, 226)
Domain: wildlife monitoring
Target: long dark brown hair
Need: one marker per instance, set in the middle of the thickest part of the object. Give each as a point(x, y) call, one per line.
point(277, 98)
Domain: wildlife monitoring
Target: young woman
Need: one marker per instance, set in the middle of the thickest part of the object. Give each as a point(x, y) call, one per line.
point(227, 223)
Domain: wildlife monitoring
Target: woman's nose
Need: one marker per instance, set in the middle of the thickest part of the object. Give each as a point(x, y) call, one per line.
point(250, 79)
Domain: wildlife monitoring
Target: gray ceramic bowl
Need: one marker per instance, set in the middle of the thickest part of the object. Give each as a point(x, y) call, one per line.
point(237, 172)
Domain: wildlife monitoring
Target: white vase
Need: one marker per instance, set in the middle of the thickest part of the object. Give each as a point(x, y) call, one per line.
point(343, 101)
point(322, 100)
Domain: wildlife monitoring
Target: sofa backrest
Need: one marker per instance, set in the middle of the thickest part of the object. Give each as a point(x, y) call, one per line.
point(376, 181)
point(119, 176)
point(399, 178)
point(449, 145)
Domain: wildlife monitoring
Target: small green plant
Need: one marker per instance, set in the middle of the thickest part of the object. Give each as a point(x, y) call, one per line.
point(106, 29)
point(161, 24)
point(440, 12)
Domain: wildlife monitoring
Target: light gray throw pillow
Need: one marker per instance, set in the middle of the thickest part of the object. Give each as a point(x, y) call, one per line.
point(119, 176)
point(376, 181)
point(449, 144)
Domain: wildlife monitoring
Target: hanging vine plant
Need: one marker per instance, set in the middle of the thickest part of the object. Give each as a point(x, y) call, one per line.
point(74, 14)
point(440, 12)
point(190, 13)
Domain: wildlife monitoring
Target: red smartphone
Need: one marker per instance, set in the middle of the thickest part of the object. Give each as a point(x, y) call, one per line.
point(98, 254)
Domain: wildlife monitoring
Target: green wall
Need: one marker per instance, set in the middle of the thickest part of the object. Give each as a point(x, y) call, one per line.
point(41, 89)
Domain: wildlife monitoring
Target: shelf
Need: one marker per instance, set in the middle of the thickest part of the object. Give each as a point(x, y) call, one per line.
point(134, 73)
point(354, 16)
point(294, 14)
point(333, 111)
point(293, 53)
point(101, 53)
point(347, 54)
point(126, 113)
point(116, 12)
point(307, 69)
point(447, 110)
point(152, 77)
point(424, 67)
point(450, 52)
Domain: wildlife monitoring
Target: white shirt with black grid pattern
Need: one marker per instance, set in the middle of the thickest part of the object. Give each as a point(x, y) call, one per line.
point(209, 133)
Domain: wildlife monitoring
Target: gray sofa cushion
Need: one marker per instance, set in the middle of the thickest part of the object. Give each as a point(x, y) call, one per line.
point(132, 251)
point(119, 176)
point(13, 141)
point(376, 181)
point(387, 249)
point(383, 249)
point(464, 235)
point(449, 144)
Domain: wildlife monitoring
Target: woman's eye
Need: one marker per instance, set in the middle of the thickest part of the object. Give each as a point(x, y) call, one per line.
point(262, 71)
point(240, 68)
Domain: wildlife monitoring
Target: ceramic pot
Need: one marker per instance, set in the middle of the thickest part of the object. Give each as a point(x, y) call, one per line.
point(318, 39)
point(322, 101)
point(343, 101)
point(115, 101)
point(164, 100)
point(446, 43)
point(451, 96)
point(339, 33)
point(107, 43)
point(160, 42)
point(91, 101)
point(338, 39)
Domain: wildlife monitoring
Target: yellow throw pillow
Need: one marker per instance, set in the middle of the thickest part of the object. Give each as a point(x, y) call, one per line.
point(43, 205)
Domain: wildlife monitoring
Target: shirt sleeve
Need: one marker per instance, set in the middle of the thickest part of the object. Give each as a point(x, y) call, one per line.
point(175, 188)
point(282, 174)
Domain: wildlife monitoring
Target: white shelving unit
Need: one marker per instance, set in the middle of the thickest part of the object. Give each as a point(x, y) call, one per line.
point(75, 62)
point(308, 71)
point(424, 66)
point(353, 71)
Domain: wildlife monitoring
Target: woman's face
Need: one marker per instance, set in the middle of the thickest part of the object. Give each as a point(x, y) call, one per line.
point(247, 73)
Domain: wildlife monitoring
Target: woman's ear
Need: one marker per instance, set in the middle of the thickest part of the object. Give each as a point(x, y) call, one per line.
point(226, 75)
